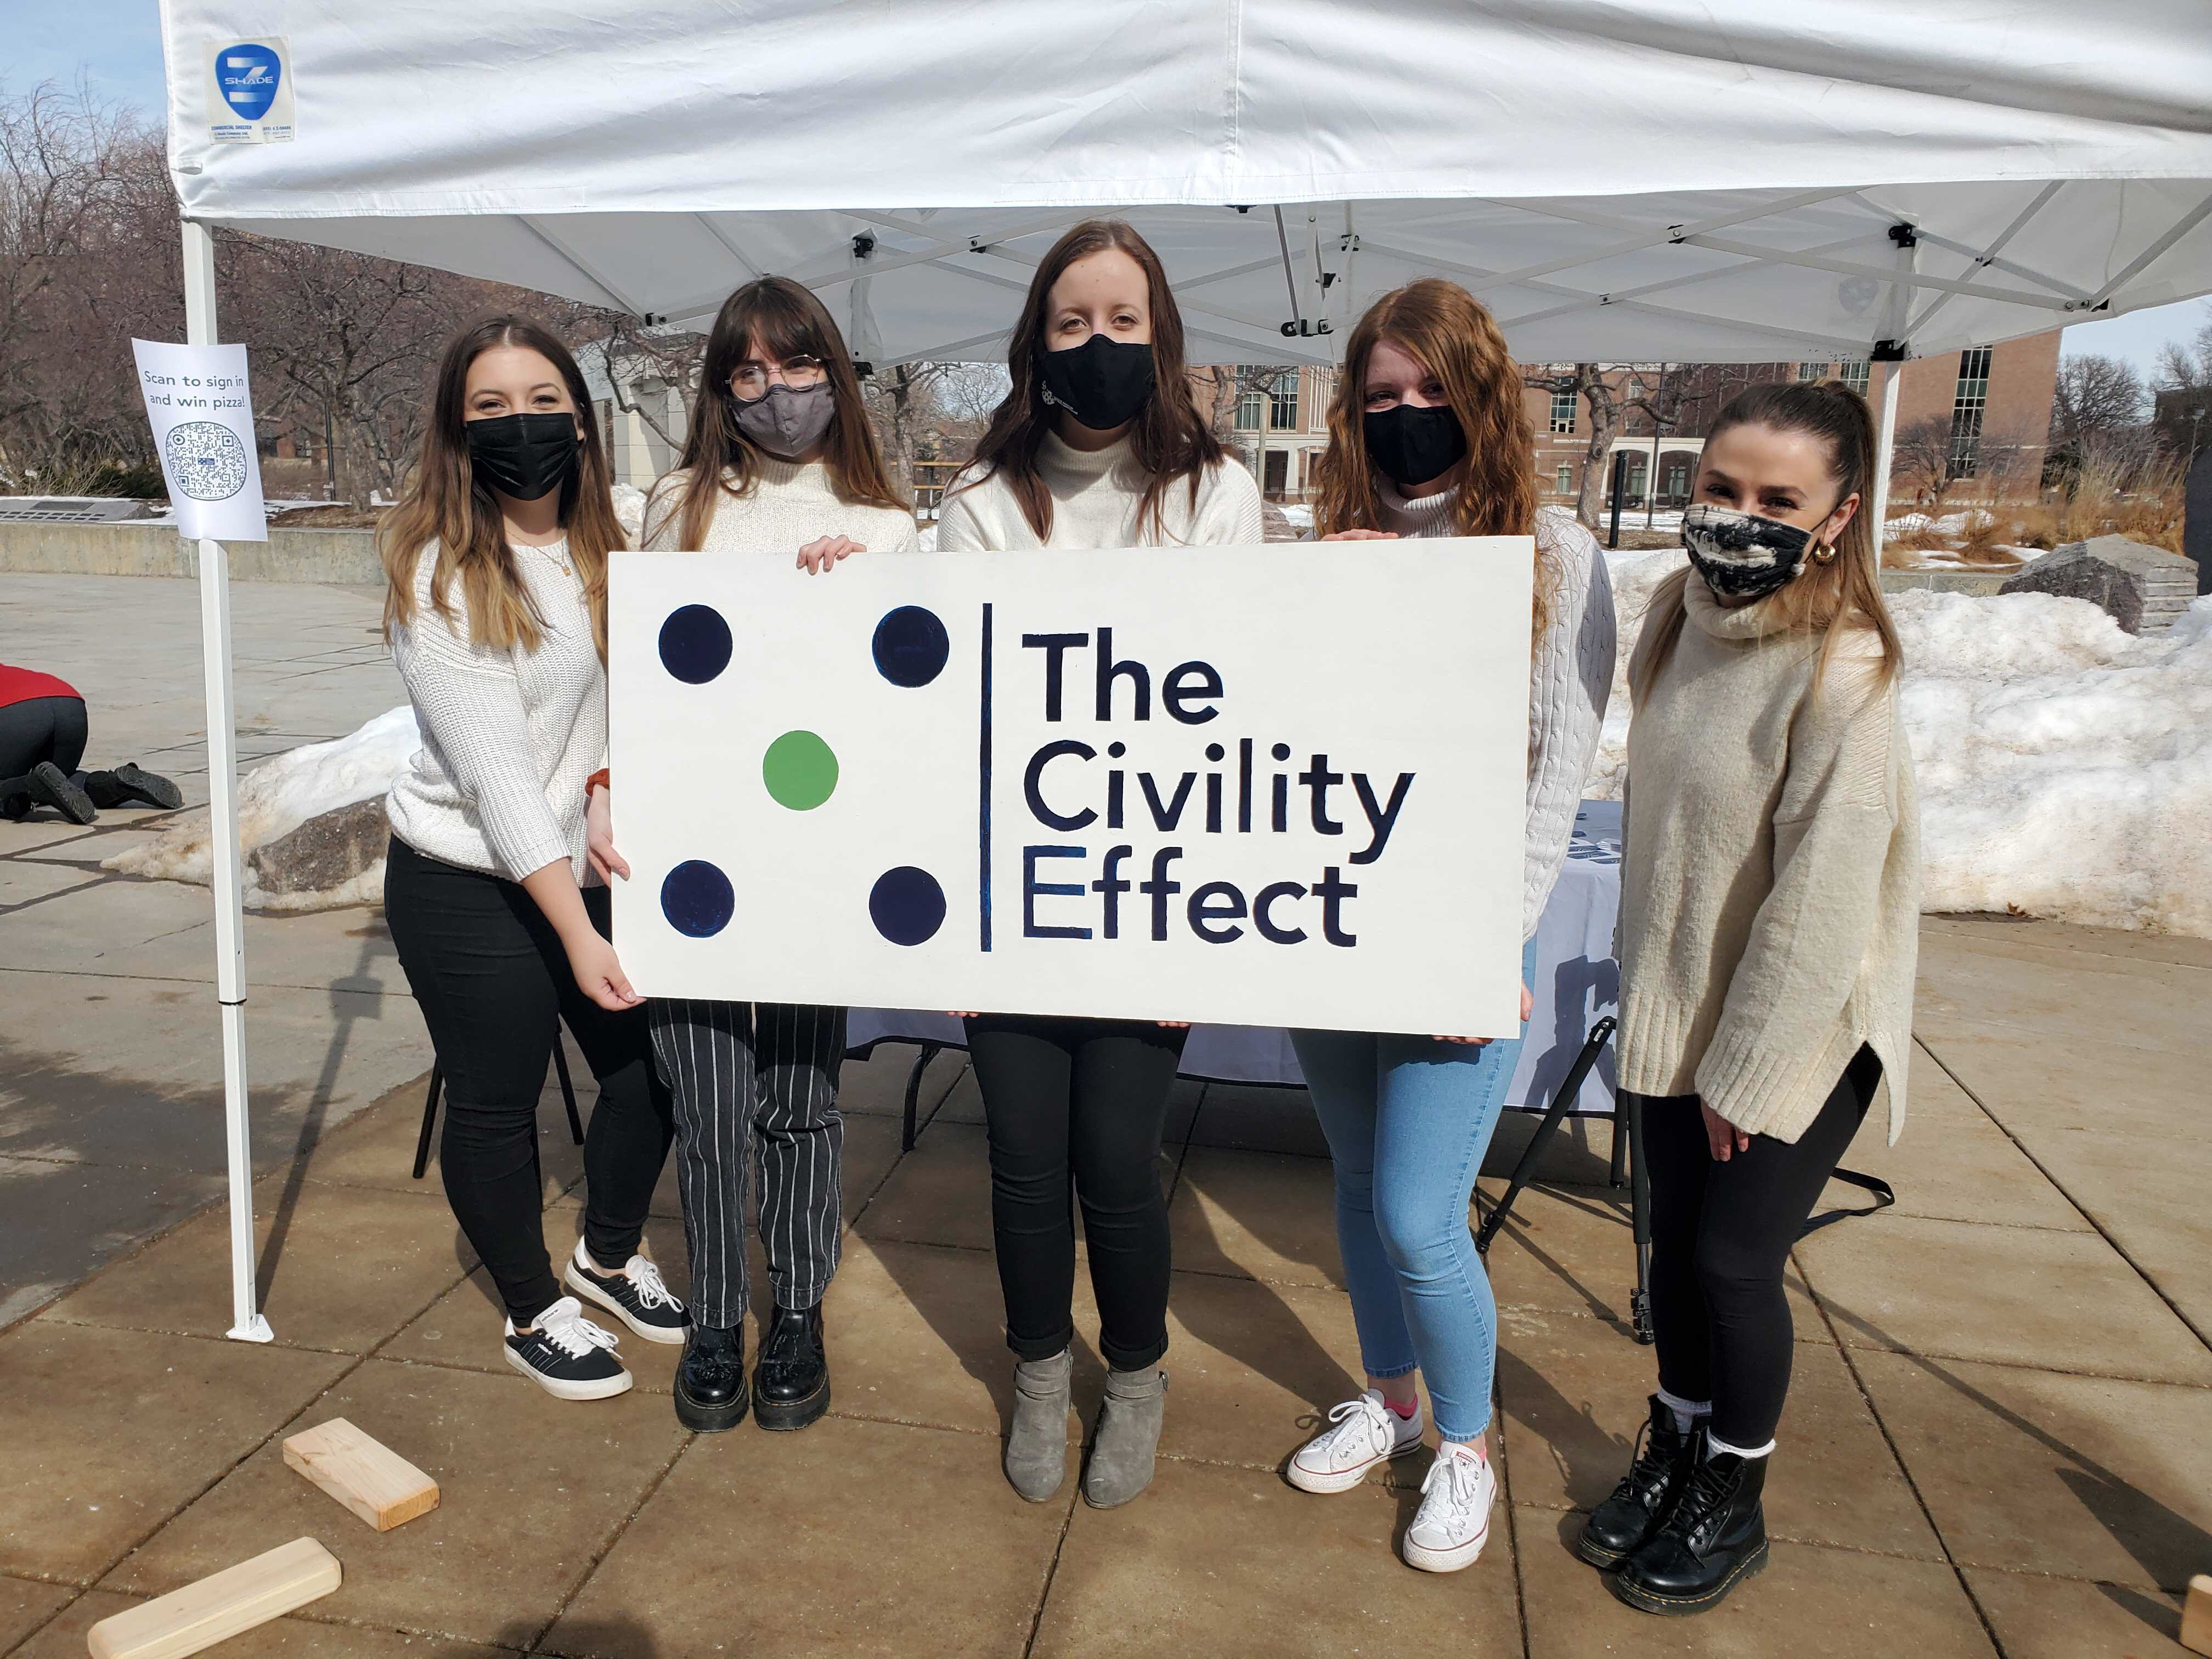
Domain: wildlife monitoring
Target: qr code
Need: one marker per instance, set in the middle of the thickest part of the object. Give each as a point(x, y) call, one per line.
point(205, 460)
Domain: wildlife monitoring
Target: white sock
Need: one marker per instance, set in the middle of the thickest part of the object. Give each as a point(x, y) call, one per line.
point(1686, 1411)
point(1715, 1447)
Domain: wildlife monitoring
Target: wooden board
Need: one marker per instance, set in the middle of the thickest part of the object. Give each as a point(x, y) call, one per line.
point(2197, 1616)
point(214, 1608)
point(370, 1479)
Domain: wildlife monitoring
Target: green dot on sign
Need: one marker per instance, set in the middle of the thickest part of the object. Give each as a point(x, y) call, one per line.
point(799, 771)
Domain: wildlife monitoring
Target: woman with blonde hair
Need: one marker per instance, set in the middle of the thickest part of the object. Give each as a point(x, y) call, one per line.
point(496, 561)
point(1769, 925)
point(1428, 438)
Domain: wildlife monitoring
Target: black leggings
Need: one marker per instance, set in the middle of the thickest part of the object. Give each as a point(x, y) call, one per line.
point(1720, 1236)
point(495, 988)
point(40, 729)
point(1079, 1100)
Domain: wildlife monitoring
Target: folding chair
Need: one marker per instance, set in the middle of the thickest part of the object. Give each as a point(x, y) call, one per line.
point(567, 1094)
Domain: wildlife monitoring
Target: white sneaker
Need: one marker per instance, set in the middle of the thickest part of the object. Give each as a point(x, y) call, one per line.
point(1367, 1433)
point(1454, 1523)
point(567, 1355)
point(636, 1296)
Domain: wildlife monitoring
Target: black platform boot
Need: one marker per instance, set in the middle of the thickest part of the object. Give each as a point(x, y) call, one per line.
point(1621, 1523)
point(791, 1385)
point(710, 1379)
point(1712, 1536)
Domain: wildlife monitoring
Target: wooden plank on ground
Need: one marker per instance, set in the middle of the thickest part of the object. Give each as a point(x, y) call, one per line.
point(214, 1608)
point(370, 1479)
point(2197, 1616)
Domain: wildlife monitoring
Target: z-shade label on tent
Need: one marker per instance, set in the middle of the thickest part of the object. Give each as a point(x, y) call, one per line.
point(249, 94)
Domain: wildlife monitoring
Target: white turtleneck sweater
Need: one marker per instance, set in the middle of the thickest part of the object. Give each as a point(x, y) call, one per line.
point(1770, 899)
point(1569, 680)
point(1096, 497)
point(790, 504)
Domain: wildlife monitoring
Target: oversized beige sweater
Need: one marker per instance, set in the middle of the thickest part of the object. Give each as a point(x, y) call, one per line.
point(1769, 903)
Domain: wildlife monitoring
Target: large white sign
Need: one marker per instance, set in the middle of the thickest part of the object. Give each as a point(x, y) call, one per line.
point(202, 412)
point(1280, 785)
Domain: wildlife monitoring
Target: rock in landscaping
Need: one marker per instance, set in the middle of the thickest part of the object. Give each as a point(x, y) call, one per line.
point(325, 852)
point(2144, 589)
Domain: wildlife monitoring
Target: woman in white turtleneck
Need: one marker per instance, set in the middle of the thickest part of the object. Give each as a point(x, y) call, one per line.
point(1427, 438)
point(1097, 443)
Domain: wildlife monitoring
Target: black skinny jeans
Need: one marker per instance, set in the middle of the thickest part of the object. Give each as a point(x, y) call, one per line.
point(494, 989)
point(1721, 1235)
point(40, 729)
point(1079, 1102)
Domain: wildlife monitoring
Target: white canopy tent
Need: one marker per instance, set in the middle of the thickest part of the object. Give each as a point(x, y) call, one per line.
point(1618, 179)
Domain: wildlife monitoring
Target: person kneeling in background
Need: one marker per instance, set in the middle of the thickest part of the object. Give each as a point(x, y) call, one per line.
point(43, 731)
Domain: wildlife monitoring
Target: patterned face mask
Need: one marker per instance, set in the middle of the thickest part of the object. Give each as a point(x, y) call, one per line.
point(1742, 555)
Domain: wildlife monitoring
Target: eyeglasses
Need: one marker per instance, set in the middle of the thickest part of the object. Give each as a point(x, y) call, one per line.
point(800, 373)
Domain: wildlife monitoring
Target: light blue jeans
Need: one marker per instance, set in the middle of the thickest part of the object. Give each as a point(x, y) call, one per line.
point(1408, 1119)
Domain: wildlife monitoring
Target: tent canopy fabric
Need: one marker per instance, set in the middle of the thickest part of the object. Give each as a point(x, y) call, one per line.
point(1617, 179)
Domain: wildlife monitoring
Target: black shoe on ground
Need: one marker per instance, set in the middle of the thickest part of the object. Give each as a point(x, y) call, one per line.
point(1712, 1537)
point(129, 786)
point(51, 787)
point(636, 1296)
point(790, 1384)
point(567, 1355)
point(710, 1379)
point(1619, 1525)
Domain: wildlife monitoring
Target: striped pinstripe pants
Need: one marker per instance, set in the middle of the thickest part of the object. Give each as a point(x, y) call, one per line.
point(756, 1087)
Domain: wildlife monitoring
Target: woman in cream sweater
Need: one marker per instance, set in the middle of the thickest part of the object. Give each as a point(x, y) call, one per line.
point(1769, 920)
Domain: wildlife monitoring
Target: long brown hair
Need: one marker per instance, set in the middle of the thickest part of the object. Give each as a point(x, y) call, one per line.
point(788, 321)
point(1832, 597)
point(1171, 440)
point(444, 502)
point(1451, 334)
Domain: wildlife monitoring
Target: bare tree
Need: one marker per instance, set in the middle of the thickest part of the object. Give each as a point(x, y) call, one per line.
point(1925, 459)
point(1611, 393)
point(2094, 394)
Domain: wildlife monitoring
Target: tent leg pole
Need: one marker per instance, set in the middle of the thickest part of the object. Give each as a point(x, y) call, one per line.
point(1885, 453)
point(247, 1323)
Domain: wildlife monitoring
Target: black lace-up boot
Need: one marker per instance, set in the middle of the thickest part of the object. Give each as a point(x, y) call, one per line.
point(1712, 1536)
point(1621, 1523)
point(791, 1385)
point(710, 1379)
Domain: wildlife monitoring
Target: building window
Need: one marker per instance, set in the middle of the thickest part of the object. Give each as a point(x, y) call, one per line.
point(1854, 374)
point(1249, 401)
point(1563, 481)
point(1283, 404)
point(1812, 371)
point(1563, 410)
point(1966, 406)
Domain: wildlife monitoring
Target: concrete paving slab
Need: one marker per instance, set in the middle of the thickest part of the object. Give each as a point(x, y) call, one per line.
point(2019, 1296)
point(1248, 1118)
point(1269, 1216)
point(2033, 1471)
point(1253, 1368)
point(106, 1440)
point(2039, 1618)
point(940, 1194)
point(24, 885)
point(280, 1639)
point(2062, 997)
point(1230, 1561)
point(65, 1219)
point(2080, 1084)
point(2010, 936)
point(375, 1147)
point(25, 1606)
point(530, 1491)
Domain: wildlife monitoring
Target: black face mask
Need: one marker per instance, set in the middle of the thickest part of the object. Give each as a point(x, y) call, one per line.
point(1413, 446)
point(524, 456)
point(1742, 555)
point(1101, 382)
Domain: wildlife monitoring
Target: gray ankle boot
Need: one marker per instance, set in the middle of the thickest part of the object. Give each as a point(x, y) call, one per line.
point(1037, 1445)
point(1128, 1437)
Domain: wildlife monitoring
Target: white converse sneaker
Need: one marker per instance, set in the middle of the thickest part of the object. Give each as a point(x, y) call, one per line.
point(636, 1296)
point(1366, 1433)
point(567, 1355)
point(1454, 1523)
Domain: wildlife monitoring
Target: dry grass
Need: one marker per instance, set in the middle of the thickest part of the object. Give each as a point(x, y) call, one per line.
point(2147, 507)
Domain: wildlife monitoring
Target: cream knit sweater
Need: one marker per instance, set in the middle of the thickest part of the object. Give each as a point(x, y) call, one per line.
point(508, 736)
point(1096, 496)
point(789, 505)
point(1569, 680)
point(1769, 905)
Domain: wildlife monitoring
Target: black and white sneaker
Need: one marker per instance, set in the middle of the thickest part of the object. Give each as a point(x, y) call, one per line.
point(636, 1296)
point(567, 1355)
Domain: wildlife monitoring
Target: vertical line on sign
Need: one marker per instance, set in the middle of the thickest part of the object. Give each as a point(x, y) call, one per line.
point(1244, 786)
point(983, 809)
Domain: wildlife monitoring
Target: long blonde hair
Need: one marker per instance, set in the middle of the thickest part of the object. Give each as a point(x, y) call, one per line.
point(1834, 598)
point(446, 503)
point(1450, 333)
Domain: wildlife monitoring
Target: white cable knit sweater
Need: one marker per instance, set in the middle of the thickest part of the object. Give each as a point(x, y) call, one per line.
point(1096, 497)
point(508, 736)
point(1569, 681)
point(789, 505)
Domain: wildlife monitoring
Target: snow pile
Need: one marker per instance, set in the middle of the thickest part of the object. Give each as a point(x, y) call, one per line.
point(1634, 577)
point(629, 511)
point(928, 538)
point(277, 797)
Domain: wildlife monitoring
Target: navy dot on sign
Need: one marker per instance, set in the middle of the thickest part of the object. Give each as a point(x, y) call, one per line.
point(910, 646)
point(907, 905)
point(694, 643)
point(697, 899)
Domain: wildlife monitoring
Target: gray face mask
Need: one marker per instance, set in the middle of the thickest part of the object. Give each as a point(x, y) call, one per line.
point(788, 423)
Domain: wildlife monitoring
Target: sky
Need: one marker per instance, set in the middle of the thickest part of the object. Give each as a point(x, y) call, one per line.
point(117, 46)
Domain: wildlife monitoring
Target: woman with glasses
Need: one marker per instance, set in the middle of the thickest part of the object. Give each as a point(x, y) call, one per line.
point(780, 455)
